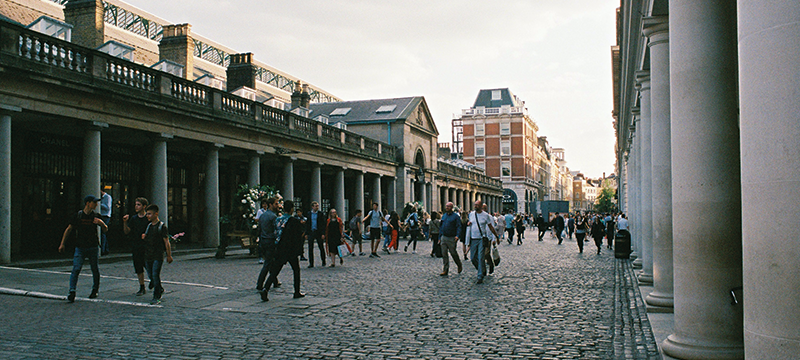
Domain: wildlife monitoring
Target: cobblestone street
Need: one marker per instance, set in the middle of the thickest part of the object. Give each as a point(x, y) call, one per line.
point(544, 301)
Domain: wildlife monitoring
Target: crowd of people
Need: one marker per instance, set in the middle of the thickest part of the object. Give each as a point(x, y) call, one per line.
point(283, 232)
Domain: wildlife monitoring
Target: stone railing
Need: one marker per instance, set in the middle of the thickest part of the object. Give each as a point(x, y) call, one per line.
point(467, 174)
point(514, 110)
point(64, 61)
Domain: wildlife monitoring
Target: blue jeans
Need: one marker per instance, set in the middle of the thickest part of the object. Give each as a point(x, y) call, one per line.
point(387, 238)
point(77, 264)
point(477, 256)
point(153, 268)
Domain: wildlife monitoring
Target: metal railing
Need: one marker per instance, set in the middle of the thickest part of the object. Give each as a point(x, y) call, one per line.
point(19, 45)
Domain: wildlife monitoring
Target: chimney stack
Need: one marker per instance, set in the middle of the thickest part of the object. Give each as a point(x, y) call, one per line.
point(297, 95)
point(241, 71)
point(177, 46)
point(86, 18)
point(305, 97)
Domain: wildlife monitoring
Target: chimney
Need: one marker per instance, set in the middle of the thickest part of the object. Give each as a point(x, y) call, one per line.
point(305, 97)
point(297, 95)
point(86, 18)
point(241, 72)
point(177, 46)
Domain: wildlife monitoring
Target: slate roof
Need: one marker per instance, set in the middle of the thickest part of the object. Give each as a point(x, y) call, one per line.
point(364, 111)
point(507, 98)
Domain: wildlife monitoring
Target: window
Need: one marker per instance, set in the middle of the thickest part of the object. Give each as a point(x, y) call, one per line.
point(505, 128)
point(505, 147)
point(386, 109)
point(481, 165)
point(480, 149)
point(505, 168)
point(480, 129)
point(496, 95)
point(340, 111)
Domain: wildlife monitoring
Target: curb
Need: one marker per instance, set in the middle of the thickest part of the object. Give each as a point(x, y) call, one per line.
point(41, 295)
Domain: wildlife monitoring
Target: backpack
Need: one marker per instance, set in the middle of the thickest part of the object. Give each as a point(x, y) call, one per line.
point(353, 224)
point(412, 221)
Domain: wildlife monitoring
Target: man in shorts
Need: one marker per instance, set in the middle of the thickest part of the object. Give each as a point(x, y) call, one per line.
point(374, 219)
point(135, 226)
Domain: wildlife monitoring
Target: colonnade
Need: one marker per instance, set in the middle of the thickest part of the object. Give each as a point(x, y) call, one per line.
point(709, 177)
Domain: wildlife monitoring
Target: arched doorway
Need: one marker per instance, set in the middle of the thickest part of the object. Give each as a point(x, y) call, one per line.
point(509, 200)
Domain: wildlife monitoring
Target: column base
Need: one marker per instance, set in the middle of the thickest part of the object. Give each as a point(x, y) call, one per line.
point(637, 264)
point(683, 348)
point(661, 302)
point(645, 278)
point(634, 255)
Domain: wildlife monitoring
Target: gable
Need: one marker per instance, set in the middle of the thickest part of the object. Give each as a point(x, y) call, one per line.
point(421, 118)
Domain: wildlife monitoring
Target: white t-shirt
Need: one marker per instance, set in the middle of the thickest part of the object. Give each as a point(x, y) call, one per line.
point(622, 224)
point(483, 220)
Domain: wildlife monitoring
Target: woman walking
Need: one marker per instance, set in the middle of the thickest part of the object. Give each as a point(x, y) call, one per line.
point(463, 234)
point(394, 229)
point(436, 250)
point(580, 231)
point(333, 236)
point(598, 232)
point(520, 224)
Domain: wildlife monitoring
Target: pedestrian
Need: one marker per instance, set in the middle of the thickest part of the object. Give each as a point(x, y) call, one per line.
point(463, 235)
point(622, 222)
point(450, 227)
point(509, 226)
point(394, 230)
point(287, 250)
point(268, 223)
point(580, 231)
point(156, 238)
point(135, 226)
point(610, 230)
point(258, 215)
point(355, 232)
point(436, 249)
point(333, 236)
point(520, 224)
point(375, 219)
point(413, 227)
point(315, 230)
point(570, 225)
point(500, 222)
point(425, 221)
point(87, 244)
point(105, 215)
point(598, 232)
point(387, 233)
point(542, 225)
point(480, 224)
point(558, 227)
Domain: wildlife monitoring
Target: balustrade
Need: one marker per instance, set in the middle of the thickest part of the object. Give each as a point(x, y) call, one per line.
point(51, 51)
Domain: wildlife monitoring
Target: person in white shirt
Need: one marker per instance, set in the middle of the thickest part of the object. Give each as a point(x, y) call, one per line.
point(622, 222)
point(479, 226)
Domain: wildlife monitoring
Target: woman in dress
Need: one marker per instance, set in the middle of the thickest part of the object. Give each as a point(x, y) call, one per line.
point(394, 229)
point(333, 236)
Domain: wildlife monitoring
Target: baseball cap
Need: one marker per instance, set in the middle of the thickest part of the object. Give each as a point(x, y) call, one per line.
point(90, 198)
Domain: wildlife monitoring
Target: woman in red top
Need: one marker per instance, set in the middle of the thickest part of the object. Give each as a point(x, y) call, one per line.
point(333, 236)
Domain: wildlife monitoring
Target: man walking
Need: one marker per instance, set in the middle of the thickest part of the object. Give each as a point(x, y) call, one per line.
point(85, 224)
point(558, 224)
point(105, 215)
point(570, 226)
point(315, 228)
point(267, 239)
point(479, 224)
point(509, 218)
point(135, 227)
point(375, 219)
point(355, 232)
point(542, 225)
point(449, 229)
point(156, 239)
point(289, 247)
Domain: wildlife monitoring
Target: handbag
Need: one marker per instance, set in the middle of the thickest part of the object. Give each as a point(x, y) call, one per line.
point(343, 250)
point(483, 237)
point(496, 256)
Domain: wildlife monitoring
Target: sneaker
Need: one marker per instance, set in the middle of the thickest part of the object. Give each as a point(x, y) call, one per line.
point(277, 284)
point(260, 261)
point(363, 253)
point(371, 256)
point(386, 251)
point(413, 251)
point(93, 294)
point(460, 268)
point(155, 302)
point(354, 254)
point(71, 297)
point(405, 249)
point(264, 295)
point(376, 255)
point(141, 291)
point(480, 281)
point(298, 295)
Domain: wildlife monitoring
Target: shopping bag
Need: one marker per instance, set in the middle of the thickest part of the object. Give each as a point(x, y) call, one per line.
point(496, 256)
point(343, 251)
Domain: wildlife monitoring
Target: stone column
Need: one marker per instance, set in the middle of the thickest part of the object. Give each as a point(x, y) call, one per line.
point(424, 195)
point(360, 193)
point(769, 56)
point(254, 176)
point(91, 160)
point(212, 197)
point(706, 185)
point(338, 202)
point(657, 30)
point(376, 192)
point(636, 189)
point(316, 183)
point(5, 188)
point(159, 175)
point(288, 180)
point(646, 212)
point(391, 196)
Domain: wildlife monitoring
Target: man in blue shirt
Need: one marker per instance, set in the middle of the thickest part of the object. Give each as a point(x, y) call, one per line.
point(449, 230)
point(510, 226)
point(374, 219)
point(105, 215)
point(315, 228)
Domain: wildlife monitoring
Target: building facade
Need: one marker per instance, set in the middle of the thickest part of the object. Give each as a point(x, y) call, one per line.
point(707, 119)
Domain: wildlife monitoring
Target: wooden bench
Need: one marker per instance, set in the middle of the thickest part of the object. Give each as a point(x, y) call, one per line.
point(244, 238)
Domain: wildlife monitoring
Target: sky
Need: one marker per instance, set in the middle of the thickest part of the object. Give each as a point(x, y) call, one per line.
point(553, 54)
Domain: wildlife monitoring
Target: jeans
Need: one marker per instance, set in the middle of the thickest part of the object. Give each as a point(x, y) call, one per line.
point(153, 268)
point(449, 247)
point(269, 263)
point(103, 239)
point(77, 264)
point(387, 238)
point(477, 256)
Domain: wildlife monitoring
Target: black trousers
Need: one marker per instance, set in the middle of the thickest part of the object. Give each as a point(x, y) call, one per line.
point(277, 266)
point(415, 234)
point(542, 231)
point(316, 236)
point(269, 260)
point(558, 234)
point(510, 231)
point(580, 237)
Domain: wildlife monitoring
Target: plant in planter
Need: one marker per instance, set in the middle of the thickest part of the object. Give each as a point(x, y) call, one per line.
point(240, 223)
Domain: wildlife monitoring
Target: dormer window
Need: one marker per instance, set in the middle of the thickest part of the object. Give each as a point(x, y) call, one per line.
point(340, 111)
point(385, 109)
point(496, 95)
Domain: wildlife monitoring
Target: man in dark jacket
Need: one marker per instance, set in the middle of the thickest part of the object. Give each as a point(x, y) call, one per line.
point(315, 229)
point(558, 225)
point(542, 225)
point(288, 249)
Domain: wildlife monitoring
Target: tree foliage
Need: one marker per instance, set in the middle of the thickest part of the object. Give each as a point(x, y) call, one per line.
point(605, 202)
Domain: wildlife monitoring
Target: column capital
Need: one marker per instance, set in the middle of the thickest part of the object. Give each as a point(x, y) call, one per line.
point(97, 125)
point(161, 136)
point(9, 108)
point(657, 29)
point(642, 80)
